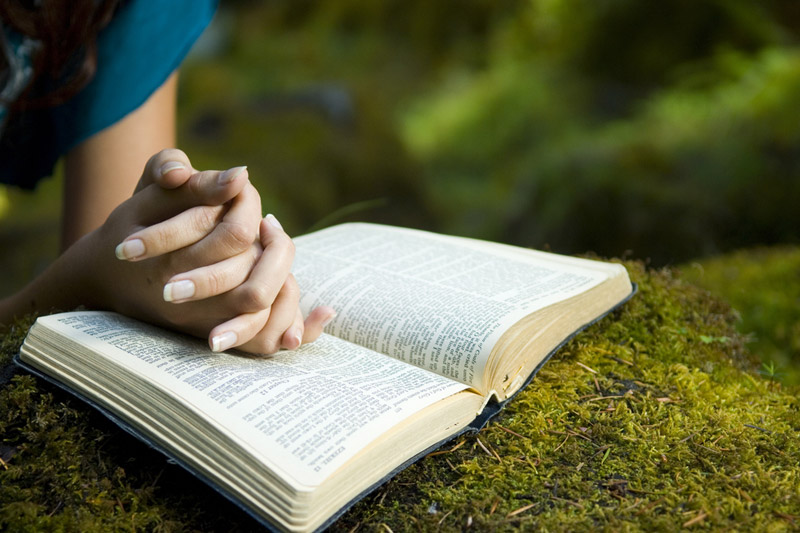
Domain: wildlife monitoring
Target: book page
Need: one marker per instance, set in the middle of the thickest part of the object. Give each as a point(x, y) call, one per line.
point(312, 409)
point(434, 301)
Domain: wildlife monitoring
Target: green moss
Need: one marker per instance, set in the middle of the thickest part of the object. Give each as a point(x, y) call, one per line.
point(761, 284)
point(656, 418)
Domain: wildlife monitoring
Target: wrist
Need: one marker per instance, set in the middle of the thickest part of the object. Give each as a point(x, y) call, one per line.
point(62, 286)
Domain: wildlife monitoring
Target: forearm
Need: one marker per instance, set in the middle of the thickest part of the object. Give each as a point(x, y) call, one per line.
point(62, 286)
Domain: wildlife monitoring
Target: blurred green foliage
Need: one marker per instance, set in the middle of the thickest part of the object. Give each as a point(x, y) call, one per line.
point(667, 129)
point(29, 232)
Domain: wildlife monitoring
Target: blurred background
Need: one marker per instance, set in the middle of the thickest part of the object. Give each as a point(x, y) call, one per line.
point(667, 131)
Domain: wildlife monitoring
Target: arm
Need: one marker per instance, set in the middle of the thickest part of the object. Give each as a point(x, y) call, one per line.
point(101, 172)
point(99, 175)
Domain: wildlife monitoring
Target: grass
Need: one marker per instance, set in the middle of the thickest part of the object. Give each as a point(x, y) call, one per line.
point(655, 418)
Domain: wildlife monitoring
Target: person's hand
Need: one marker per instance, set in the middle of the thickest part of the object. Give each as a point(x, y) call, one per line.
point(190, 260)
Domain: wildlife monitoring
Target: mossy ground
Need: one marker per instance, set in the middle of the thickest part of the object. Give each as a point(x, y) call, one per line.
point(762, 285)
point(656, 418)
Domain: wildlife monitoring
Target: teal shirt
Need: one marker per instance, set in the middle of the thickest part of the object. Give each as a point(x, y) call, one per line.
point(143, 44)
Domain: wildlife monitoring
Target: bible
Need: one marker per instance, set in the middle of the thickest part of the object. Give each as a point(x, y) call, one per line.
point(434, 334)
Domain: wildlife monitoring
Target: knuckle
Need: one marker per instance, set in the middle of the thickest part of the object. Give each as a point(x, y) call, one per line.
point(250, 192)
point(206, 217)
point(255, 297)
point(290, 288)
point(215, 282)
point(238, 237)
point(195, 186)
point(156, 238)
point(283, 243)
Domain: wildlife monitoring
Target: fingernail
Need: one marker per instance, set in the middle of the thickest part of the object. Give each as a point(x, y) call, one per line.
point(230, 175)
point(328, 320)
point(129, 249)
point(178, 290)
point(222, 342)
point(296, 339)
point(170, 166)
point(274, 221)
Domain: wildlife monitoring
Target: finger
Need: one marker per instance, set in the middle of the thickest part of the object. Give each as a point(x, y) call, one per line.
point(270, 271)
point(284, 323)
point(234, 233)
point(211, 280)
point(237, 330)
point(262, 331)
point(292, 338)
point(213, 187)
point(180, 231)
point(316, 320)
point(168, 169)
point(154, 204)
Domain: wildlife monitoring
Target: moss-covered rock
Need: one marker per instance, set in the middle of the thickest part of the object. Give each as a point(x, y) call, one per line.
point(655, 418)
point(763, 285)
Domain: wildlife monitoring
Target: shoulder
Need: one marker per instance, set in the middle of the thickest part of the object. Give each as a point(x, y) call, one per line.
point(141, 26)
point(144, 43)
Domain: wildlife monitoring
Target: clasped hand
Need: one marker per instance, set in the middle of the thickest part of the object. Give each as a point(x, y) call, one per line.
point(190, 251)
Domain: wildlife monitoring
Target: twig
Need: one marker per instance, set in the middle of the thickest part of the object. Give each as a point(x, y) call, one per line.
point(649, 506)
point(563, 443)
point(633, 506)
point(520, 510)
point(576, 434)
point(786, 516)
point(568, 502)
point(512, 432)
point(490, 454)
point(618, 360)
point(697, 519)
point(601, 450)
point(605, 398)
point(454, 448)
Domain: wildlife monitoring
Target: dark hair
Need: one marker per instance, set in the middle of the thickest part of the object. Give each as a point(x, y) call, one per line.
point(67, 57)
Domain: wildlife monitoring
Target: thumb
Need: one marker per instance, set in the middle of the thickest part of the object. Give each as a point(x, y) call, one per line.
point(169, 169)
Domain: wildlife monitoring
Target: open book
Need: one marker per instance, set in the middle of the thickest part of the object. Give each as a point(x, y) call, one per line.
point(433, 334)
